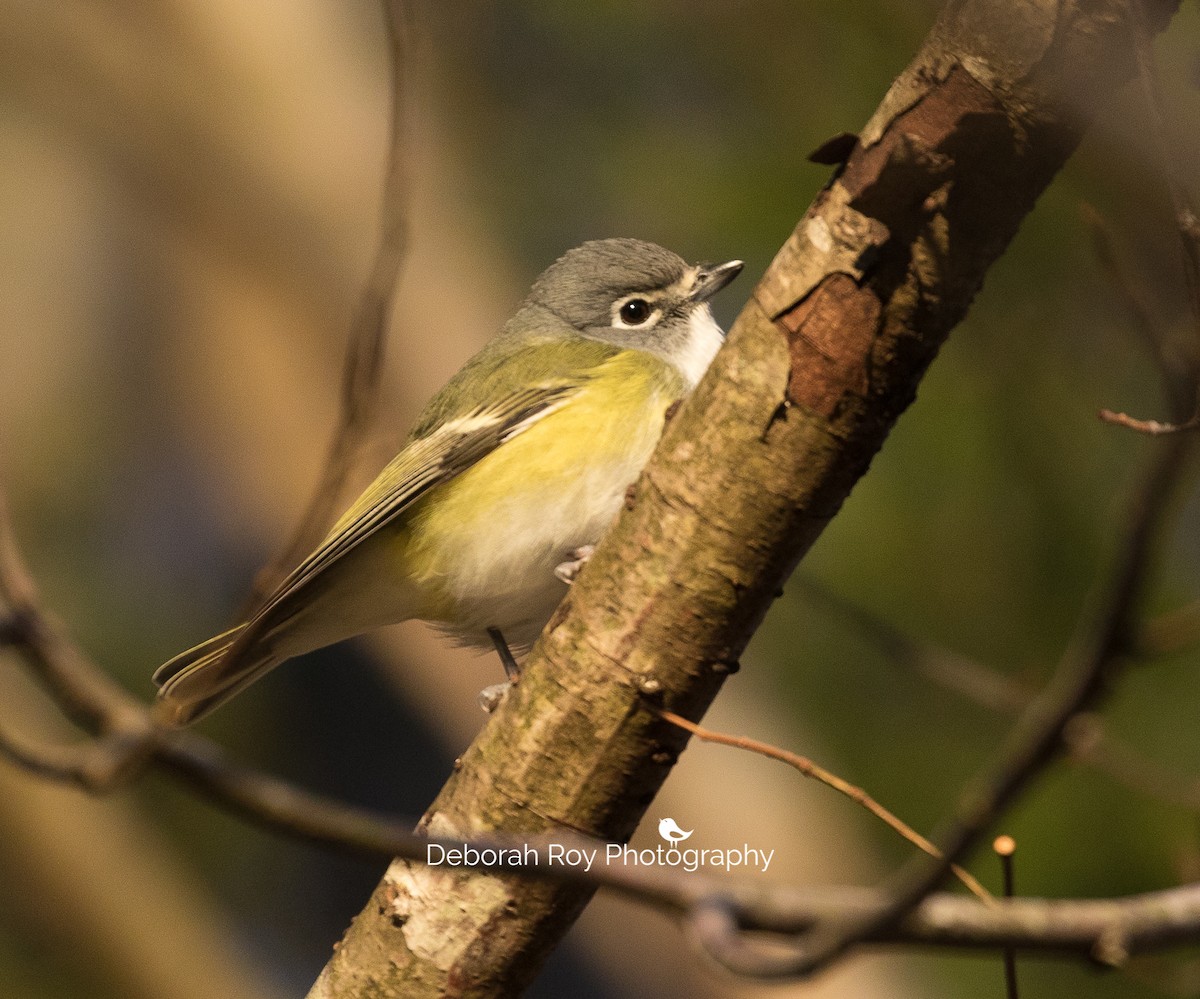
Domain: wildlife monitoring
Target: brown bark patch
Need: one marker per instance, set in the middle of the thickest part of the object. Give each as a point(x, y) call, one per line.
point(829, 338)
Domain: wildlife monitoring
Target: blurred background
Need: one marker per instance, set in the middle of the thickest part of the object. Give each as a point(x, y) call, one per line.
point(188, 197)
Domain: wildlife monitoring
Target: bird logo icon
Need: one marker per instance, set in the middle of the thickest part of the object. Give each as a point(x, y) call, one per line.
point(669, 830)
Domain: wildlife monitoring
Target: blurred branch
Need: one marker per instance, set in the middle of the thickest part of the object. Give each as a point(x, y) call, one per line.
point(1087, 738)
point(1183, 380)
point(126, 737)
point(363, 365)
point(1174, 364)
point(1172, 631)
point(1103, 640)
point(978, 683)
point(818, 773)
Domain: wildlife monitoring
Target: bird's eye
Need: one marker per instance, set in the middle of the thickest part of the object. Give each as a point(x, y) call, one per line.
point(635, 312)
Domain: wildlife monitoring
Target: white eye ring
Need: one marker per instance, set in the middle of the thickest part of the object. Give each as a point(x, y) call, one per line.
point(634, 312)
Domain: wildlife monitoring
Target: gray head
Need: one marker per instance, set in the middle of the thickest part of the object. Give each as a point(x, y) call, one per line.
point(636, 294)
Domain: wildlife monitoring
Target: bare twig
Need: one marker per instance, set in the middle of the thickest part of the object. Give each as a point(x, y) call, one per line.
point(813, 770)
point(97, 765)
point(1087, 738)
point(363, 365)
point(85, 693)
point(1173, 364)
point(1183, 386)
point(1005, 847)
point(1153, 428)
point(1081, 681)
point(126, 736)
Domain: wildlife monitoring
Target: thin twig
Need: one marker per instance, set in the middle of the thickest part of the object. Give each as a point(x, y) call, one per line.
point(1152, 428)
point(1174, 367)
point(1087, 738)
point(86, 695)
point(813, 770)
point(363, 365)
point(1082, 680)
point(1005, 847)
point(1186, 382)
point(1104, 638)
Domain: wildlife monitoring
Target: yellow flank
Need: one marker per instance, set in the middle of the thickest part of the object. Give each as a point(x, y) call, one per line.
point(493, 535)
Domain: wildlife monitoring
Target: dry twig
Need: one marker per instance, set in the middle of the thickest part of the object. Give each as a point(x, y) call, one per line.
point(1083, 678)
point(810, 769)
point(1087, 738)
point(125, 736)
point(362, 368)
point(1183, 380)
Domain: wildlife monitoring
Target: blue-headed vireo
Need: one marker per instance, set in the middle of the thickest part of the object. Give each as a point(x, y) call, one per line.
point(512, 472)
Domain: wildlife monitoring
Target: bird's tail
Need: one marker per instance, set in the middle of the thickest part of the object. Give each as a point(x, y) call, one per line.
point(201, 679)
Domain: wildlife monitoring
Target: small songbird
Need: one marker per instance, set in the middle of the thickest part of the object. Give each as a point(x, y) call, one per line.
point(669, 830)
point(513, 471)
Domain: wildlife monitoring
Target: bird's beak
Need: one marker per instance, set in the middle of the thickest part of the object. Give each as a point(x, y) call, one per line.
point(711, 278)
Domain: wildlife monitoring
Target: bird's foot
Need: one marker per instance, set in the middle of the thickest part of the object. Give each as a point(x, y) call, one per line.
point(568, 570)
point(491, 696)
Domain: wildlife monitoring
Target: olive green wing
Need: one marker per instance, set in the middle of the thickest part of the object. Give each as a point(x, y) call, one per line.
point(426, 462)
point(199, 680)
point(518, 378)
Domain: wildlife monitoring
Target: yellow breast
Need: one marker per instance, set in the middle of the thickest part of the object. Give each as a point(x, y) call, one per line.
point(482, 548)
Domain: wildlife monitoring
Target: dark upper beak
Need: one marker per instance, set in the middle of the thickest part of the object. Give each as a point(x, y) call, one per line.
point(713, 277)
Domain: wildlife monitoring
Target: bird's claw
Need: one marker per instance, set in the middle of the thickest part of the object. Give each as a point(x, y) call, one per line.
point(491, 696)
point(567, 571)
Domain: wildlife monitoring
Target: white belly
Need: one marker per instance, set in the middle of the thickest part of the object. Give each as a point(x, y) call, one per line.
point(504, 577)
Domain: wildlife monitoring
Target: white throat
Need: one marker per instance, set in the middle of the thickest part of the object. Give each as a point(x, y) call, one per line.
point(703, 342)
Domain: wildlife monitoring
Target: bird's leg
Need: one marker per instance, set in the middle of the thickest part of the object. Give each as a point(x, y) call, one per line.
point(507, 659)
point(567, 571)
point(490, 697)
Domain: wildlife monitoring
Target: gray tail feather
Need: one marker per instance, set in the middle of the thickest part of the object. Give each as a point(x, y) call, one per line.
point(199, 680)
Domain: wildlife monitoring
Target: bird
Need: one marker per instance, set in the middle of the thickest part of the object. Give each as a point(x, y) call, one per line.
point(510, 475)
point(669, 830)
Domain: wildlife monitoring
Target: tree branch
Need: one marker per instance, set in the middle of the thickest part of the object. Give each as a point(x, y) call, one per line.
point(808, 768)
point(1104, 638)
point(1184, 381)
point(820, 364)
point(126, 737)
point(817, 368)
point(1086, 738)
point(362, 368)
